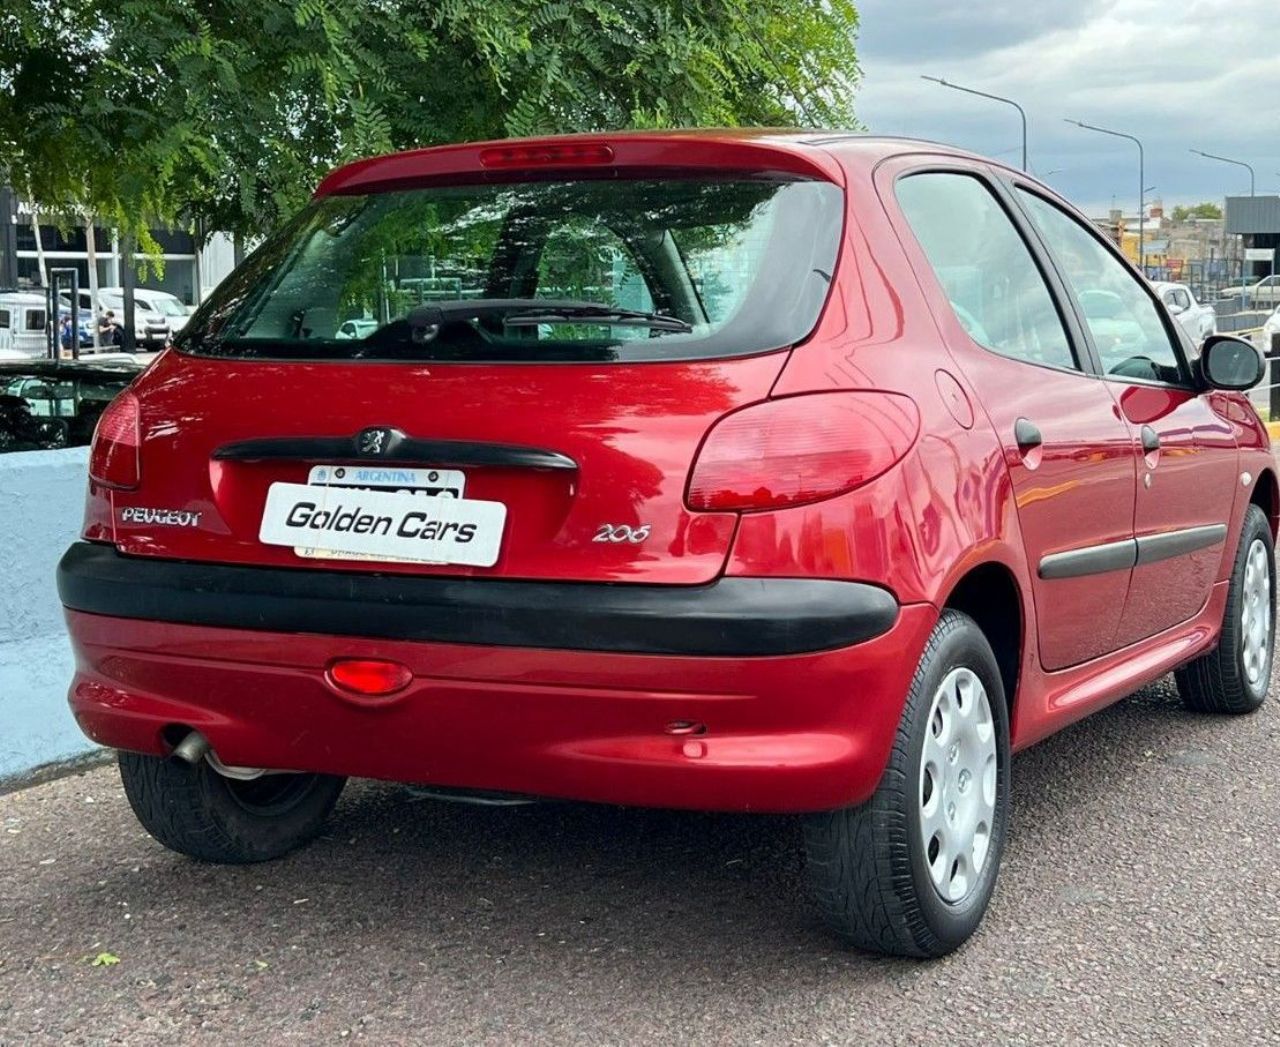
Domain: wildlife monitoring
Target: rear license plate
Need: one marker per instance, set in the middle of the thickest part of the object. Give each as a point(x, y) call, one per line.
point(435, 483)
point(445, 483)
point(322, 520)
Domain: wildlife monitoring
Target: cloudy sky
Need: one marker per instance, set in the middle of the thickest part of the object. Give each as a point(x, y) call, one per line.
point(1179, 74)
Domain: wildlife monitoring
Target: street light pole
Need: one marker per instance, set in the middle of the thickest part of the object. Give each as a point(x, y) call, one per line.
point(1253, 181)
point(995, 98)
point(1142, 186)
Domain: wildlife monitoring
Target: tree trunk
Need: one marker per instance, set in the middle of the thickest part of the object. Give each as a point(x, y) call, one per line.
point(128, 280)
point(198, 268)
point(41, 269)
point(91, 253)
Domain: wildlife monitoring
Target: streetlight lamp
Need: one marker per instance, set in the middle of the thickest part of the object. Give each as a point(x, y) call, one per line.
point(1142, 185)
point(995, 98)
point(1238, 163)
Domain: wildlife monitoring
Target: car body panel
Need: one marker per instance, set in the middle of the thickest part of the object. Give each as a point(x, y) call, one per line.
point(1184, 483)
point(1076, 490)
point(632, 441)
point(760, 151)
point(578, 725)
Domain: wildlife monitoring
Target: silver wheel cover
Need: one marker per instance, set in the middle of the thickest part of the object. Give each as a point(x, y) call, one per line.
point(957, 787)
point(1255, 615)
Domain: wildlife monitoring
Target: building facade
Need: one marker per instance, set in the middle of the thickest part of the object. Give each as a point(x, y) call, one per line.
point(32, 244)
point(1257, 220)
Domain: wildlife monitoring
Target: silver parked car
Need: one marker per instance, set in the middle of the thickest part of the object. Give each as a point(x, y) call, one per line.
point(1264, 293)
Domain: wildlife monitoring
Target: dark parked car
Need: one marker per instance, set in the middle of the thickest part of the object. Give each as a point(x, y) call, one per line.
point(46, 404)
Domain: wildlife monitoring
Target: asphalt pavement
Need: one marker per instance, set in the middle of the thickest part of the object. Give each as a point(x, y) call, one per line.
point(1139, 903)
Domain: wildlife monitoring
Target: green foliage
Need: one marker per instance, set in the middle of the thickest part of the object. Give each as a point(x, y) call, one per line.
point(224, 113)
point(1205, 210)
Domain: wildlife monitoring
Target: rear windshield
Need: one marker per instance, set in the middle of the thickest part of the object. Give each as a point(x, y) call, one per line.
point(581, 270)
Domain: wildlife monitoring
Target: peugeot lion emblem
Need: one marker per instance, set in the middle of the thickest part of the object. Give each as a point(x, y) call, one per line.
point(374, 441)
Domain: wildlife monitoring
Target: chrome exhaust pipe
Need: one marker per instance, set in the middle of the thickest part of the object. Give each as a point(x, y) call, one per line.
point(192, 749)
point(195, 747)
point(240, 774)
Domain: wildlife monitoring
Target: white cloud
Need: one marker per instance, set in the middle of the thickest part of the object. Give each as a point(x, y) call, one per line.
point(1200, 74)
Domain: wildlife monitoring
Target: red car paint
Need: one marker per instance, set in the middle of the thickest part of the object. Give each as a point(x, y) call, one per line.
point(791, 732)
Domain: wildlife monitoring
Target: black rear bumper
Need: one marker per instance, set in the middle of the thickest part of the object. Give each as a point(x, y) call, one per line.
point(743, 617)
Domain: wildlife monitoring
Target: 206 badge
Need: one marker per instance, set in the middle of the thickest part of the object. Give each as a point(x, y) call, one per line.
point(622, 533)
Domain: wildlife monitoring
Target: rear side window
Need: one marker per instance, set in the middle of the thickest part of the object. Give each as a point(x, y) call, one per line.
point(1124, 320)
point(985, 268)
point(4, 319)
point(612, 269)
point(35, 319)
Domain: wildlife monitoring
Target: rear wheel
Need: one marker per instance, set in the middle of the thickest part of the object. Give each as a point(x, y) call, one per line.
point(1235, 675)
point(194, 810)
point(911, 871)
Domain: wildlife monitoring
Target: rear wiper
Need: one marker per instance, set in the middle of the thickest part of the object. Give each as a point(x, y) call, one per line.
point(425, 320)
point(603, 315)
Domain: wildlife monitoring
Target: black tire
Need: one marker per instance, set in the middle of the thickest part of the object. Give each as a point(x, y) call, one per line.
point(197, 812)
point(1217, 682)
point(867, 866)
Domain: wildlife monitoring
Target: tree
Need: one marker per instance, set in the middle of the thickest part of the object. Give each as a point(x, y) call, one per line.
point(1205, 210)
point(223, 114)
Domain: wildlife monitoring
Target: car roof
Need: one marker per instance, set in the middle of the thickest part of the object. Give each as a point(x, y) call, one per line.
point(817, 154)
point(41, 368)
point(27, 298)
point(146, 292)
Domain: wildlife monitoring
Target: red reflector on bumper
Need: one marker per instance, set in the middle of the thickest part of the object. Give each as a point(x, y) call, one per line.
point(371, 678)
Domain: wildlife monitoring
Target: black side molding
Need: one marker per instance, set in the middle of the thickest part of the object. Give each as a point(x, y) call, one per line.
point(1131, 552)
point(1152, 548)
point(391, 445)
point(1093, 559)
point(739, 617)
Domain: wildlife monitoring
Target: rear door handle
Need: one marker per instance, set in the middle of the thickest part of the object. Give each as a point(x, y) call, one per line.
point(1027, 435)
point(1150, 440)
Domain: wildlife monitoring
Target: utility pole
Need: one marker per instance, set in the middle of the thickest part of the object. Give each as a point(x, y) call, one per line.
point(1253, 180)
point(1022, 113)
point(1142, 186)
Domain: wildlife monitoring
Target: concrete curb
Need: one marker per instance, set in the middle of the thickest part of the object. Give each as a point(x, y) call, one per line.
point(50, 772)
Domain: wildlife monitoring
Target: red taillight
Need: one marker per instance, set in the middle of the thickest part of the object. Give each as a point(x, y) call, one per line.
point(800, 449)
point(369, 677)
point(113, 461)
point(565, 154)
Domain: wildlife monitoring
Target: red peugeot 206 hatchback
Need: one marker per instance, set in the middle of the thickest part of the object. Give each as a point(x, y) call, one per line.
point(732, 471)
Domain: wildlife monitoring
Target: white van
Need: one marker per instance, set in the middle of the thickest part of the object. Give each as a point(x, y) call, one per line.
point(156, 314)
point(22, 325)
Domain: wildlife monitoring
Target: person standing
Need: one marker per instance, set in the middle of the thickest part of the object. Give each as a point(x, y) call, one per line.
point(109, 332)
point(66, 336)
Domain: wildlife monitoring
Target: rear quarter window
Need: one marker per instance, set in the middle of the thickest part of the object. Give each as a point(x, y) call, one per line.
point(985, 268)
